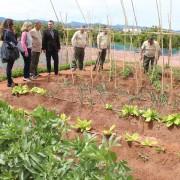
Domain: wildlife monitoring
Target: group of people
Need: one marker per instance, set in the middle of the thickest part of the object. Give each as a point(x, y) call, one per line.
point(32, 43)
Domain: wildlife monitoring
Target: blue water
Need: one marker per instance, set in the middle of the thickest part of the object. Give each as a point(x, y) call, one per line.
point(120, 47)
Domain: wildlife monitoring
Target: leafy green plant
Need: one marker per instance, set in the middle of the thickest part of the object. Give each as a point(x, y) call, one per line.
point(37, 90)
point(173, 119)
point(40, 152)
point(129, 110)
point(127, 72)
point(108, 107)
point(150, 115)
point(149, 143)
point(83, 125)
point(135, 137)
point(20, 90)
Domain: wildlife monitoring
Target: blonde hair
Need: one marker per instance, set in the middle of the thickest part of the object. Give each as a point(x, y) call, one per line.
point(25, 26)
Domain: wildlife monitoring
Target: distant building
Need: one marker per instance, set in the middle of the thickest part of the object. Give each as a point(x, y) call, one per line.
point(132, 30)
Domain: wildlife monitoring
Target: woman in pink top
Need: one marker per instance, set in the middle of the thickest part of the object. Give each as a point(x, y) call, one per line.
point(26, 42)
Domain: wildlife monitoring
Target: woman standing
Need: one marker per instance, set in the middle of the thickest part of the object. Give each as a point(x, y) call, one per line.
point(9, 37)
point(26, 42)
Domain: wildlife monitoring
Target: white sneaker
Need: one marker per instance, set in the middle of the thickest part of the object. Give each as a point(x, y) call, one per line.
point(27, 79)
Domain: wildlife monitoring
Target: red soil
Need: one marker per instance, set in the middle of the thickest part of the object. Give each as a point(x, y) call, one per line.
point(84, 101)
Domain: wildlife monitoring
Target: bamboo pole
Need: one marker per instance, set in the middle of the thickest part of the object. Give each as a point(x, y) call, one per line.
point(126, 25)
point(159, 11)
point(170, 46)
point(136, 75)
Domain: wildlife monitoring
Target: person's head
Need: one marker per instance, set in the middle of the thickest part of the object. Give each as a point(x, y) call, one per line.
point(104, 30)
point(27, 26)
point(37, 25)
point(8, 24)
point(50, 24)
point(83, 28)
point(151, 40)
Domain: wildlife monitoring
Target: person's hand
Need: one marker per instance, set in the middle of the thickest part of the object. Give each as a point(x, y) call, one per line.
point(99, 50)
point(26, 54)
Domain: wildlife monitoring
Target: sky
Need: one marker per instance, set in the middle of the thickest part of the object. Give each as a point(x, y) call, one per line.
point(93, 10)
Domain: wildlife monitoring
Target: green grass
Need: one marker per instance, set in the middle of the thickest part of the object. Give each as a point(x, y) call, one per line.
point(18, 72)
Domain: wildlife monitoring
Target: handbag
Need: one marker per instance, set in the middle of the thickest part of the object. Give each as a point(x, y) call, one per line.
point(19, 46)
point(9, 51)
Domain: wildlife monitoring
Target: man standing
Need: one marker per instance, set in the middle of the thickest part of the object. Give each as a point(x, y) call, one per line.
point(36, 49)
point(102, 44)
point(79, 42)
point(51, 46)
point(150, 52)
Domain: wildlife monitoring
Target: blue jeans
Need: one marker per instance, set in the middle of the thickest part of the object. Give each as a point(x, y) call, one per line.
point(27, 63)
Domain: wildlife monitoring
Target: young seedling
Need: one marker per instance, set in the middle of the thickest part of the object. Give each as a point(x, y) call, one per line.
point(20, 90)
point(130, 138)
point(82, 125)
point(150, 115)
point(109, 107)
point(149, 143)
point(144, 157)
point(129, 110)
point(37, 90)
point(64, 118)
point(173, 119)
point(127, 72)
point(160, 149)
point(108, 133)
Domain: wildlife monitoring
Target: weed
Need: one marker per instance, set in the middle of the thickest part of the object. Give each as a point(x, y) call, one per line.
point(109, 107)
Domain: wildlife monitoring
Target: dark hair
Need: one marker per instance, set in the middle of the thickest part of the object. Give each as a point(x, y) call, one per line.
point(8, 24)
point(51, 21)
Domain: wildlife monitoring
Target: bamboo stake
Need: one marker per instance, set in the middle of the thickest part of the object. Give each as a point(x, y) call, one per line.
point(126, 25)
point(159, 11)
point(162, 44)
point(136, 22)
point(170, 46)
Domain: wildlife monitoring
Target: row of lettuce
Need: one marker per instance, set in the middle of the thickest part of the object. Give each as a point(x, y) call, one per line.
point(36, 146)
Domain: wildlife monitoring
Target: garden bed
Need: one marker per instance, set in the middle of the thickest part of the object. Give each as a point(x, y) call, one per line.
point(85, 97)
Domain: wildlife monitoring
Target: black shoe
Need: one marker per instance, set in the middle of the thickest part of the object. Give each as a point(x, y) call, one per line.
point(12, 84)
point(94, 68)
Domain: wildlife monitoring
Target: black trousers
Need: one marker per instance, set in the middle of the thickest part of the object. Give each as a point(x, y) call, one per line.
point(54, 55)
point(27, 63)
point(78, 57)
point(9, 71)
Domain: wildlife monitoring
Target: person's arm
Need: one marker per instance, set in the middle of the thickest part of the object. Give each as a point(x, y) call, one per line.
point(58, 41)
point(87, 39)
point(23, 42)
point(98, 41)
point(73, 40)
point(44, 41)
point(158, 52)
point(142, 50)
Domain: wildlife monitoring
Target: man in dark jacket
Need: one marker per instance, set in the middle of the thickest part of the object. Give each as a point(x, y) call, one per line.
point(51, 46)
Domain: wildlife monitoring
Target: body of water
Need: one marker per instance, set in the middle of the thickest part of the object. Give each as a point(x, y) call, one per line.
point(120, 47)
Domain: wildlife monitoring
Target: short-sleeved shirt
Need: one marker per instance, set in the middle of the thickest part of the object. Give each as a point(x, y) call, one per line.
point(150, 50)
